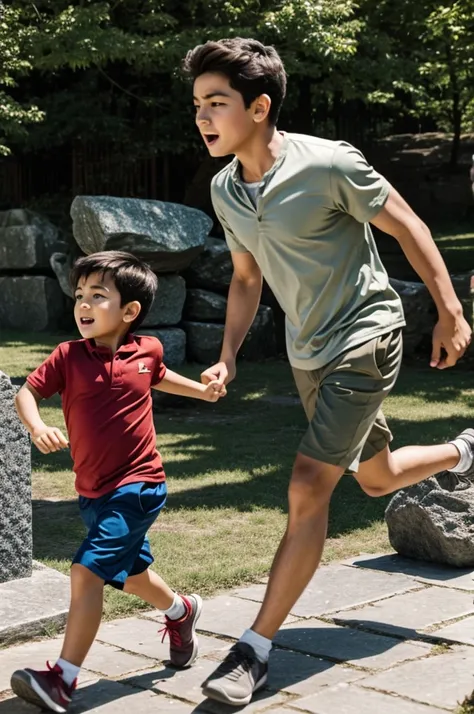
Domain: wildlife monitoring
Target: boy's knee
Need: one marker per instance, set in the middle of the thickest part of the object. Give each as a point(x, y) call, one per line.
point(82, 577)
point(312, 483)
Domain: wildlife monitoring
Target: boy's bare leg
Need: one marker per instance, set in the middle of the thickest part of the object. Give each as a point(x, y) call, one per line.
point(85, 613)
point(151, 588)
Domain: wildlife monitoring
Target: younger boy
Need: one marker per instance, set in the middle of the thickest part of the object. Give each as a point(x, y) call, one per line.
point(296, 209)
point(104, 381)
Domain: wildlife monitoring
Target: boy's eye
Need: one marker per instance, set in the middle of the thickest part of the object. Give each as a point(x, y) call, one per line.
point(78, 297)
point(97, 295)
point(218, 104)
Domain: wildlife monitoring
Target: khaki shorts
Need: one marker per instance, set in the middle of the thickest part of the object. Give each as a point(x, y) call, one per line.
point(342, 401)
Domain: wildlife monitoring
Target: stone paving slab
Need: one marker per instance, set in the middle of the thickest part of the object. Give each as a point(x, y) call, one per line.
point(346, 644)
point(440, 681)
point(329, 590)
point(406, 614)
point(300, 674)
point(225, 615)
point(141, 636)
point(30, 605)
point(350, 699)
point(462, 631)
point(431, 573)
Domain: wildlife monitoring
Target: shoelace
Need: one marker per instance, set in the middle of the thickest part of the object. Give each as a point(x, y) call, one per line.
point(235, 664)
point(171, 629)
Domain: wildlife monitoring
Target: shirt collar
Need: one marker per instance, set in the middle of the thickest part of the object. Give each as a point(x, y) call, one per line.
point(236, 166)
point(130, 345)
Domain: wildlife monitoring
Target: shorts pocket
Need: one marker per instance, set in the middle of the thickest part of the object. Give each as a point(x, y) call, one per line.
point(152, 497)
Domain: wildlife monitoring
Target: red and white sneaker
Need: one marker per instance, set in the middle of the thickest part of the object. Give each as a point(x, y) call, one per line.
point(46, 689)
point(182, 633)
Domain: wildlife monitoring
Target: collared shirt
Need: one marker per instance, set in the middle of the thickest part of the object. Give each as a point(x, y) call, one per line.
point(107, 407)
point(310, 236)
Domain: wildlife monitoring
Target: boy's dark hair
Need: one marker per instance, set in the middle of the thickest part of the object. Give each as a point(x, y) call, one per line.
point(251, 68)
point(133, 278)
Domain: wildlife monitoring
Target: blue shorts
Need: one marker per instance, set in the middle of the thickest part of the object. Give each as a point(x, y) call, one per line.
point(116, 545)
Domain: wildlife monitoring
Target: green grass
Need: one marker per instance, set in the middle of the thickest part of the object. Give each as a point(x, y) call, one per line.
point(228, 467)
point(456, 245)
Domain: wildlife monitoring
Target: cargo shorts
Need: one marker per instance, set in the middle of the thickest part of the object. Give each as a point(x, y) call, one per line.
point(343, 399)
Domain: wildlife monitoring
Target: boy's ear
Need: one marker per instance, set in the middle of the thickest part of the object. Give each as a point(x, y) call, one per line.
point(261, 107)
point(132, 310)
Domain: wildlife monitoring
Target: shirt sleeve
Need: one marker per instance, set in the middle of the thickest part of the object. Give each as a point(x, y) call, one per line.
point(160, 367)
point(49, 377)
point(356, 188)
point(235, 246)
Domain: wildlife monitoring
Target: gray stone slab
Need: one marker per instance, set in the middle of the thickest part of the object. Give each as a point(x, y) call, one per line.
point(263, 701)
point(431, 573)
point(16, 539)
point(346, 644)
point(226, 615)
point(337, 587)
point(441, 681)
point(301, 674)
point(103, 696)
point(31, 607)
point(350, 699)
point(406, 614)
point(31, 302)
point(141, 636)
point(462, 631)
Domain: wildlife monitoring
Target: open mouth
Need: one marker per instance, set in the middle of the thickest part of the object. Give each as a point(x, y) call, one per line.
point(211, 139)
point(87, 320)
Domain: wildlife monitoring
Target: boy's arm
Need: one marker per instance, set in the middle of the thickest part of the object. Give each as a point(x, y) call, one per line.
point(46, 438)
point(242, 305)
point(451, 332)
point(173, 383)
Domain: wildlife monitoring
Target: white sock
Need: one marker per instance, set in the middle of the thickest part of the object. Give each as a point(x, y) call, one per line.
point(261, 645)
point(70, 671)
point(465, 456)
point(177, 609)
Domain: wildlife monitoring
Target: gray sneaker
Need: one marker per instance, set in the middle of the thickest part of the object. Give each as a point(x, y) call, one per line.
point(237, 677)
point(467, 476)
point(182, 633)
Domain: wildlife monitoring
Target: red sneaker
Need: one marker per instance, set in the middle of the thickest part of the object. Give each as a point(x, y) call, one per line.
point(182, 633)
point(46, 689)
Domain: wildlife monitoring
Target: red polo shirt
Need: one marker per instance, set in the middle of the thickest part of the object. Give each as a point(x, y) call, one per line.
point(107, 406)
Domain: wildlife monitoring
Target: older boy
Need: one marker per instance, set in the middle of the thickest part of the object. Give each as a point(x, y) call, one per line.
point(297, 210)
point(104, 381)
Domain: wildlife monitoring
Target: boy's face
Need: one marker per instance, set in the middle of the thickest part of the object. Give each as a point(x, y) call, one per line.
point(221, 117)
point(97, 309)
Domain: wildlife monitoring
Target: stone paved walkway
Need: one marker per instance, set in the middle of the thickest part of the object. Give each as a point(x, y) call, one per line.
point(377, 634)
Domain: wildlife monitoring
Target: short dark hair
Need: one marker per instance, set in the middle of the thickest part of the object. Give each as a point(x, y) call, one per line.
point(251, 68)
point(133, 278)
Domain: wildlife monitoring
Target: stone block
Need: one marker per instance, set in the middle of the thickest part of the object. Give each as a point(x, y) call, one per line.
point(22, 248)
point(32, 303)
point(204, 306)
point(173, 340)
point(167, 307)
point(168, 236)
point(352, 699)
point(16, 540)
point(212, 269)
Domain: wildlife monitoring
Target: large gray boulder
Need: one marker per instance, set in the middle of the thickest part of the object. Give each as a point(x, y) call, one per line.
point(19, 217)
point(16, 539)
point(26, 240)
point(167, 235)
point(32, 302)
point(204, 340)
point(173, 340)
point(420, 312)
point(61, 263)
point(204, 306)
point(167, 307)
point(212, 269)
point(434, 521)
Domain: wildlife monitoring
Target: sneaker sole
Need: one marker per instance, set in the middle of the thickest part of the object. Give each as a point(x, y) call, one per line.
point(469, 474)
point(219, 695)
point(26, 687)
point(195, 651)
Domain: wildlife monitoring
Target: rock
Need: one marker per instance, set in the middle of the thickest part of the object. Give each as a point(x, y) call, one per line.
point(420, 313)
point(168, 236)
point(430, 522)
point(18, 217)
point(61, 264)
point(22, 248)
point(167, 307)
point(204, 306)
point(16, 539)
point(32, 303)
point(173, 340)
point(212, 269)
point(204, 340)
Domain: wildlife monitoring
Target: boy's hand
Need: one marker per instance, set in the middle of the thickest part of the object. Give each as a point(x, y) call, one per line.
point(48, 439)
point(214, 391)
point(222, 372)
point(453, 336)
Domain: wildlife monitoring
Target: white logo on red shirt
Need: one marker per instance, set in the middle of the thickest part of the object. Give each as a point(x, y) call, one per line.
point(142, 368)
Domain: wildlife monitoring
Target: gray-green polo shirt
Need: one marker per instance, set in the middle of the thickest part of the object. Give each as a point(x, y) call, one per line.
point(310, 236)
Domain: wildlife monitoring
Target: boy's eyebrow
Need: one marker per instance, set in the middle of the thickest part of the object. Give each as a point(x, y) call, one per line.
point(210, 95)
point(95, 287)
